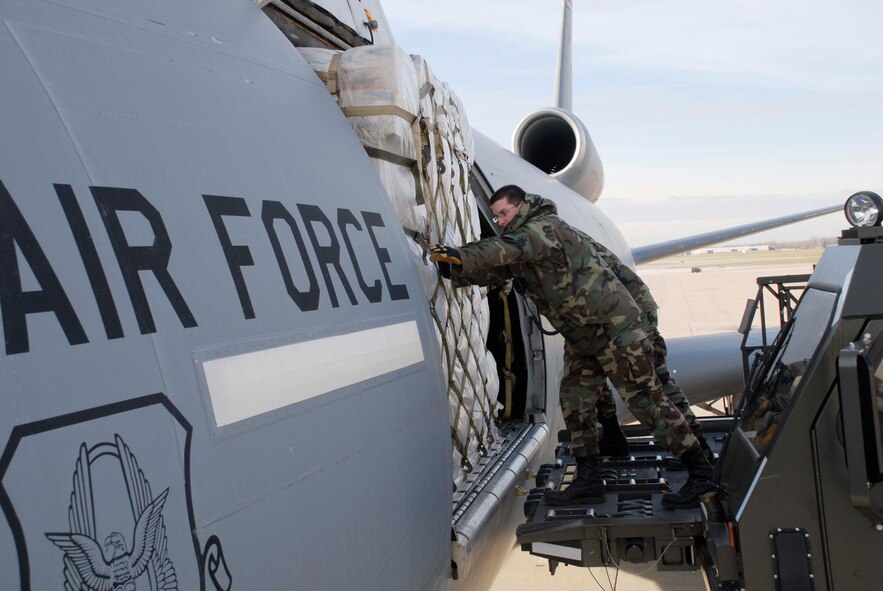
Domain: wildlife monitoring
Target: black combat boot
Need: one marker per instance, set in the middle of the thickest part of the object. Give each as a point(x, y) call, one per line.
point(586, 487)
point(698, 483)
point(613, 443)
point(677, 464)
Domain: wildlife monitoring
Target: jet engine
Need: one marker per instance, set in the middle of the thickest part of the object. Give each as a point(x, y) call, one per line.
point(558, 143)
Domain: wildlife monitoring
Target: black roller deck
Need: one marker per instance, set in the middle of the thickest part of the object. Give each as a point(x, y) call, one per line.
point(631, 525)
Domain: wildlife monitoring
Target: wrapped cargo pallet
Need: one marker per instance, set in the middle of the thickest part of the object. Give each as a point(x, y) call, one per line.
point(415, 131)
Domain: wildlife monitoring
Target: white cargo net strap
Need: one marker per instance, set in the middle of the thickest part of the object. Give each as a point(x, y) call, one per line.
point(375, 152)
point(439, 208)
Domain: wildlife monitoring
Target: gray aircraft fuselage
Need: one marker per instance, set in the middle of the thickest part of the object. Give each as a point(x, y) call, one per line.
point(182, 198)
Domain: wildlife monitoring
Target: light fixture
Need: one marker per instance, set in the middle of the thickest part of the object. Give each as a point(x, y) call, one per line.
point(864, 209)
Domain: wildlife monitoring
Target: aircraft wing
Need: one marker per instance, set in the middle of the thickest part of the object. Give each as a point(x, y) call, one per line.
point(652, 252)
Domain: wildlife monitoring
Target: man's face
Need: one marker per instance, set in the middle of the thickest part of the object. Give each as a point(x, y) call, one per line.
point(504, 212)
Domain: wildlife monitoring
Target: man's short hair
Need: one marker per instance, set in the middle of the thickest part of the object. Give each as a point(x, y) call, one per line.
point(511, 193)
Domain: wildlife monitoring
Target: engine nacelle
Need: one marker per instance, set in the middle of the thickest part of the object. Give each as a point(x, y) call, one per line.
point(557, 142)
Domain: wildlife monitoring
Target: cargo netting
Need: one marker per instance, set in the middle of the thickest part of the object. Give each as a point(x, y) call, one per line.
point(415, 130)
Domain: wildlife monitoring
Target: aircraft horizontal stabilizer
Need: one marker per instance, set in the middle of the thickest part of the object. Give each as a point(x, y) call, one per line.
point(652, 252)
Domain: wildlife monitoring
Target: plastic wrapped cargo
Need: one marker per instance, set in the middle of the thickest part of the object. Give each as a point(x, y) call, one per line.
point(415, 130)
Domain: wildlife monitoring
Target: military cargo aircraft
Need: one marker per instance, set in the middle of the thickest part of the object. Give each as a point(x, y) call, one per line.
point(221, 368)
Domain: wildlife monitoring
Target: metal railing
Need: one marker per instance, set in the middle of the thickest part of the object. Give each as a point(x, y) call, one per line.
point(782, 288)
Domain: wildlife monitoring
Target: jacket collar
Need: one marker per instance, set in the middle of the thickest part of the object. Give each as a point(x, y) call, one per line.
point(534, 207)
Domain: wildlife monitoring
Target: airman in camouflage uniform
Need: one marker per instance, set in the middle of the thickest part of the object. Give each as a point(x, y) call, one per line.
point(562, 273)
point(649, 324)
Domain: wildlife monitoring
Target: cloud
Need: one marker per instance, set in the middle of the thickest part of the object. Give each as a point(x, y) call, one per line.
point(695, 107)
point(763, 44)
point(678, 216)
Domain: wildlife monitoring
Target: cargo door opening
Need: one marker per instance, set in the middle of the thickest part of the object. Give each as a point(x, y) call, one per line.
point(511, 339)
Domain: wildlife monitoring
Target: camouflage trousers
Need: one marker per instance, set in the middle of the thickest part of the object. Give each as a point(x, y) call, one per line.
point(669, 386)
point(631, 370)
point(606, 403)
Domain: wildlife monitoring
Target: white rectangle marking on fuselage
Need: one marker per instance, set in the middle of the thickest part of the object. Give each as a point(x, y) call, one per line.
point(244, 386)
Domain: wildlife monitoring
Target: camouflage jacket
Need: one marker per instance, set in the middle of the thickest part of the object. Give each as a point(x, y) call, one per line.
point(560, 270)
point(637, 288)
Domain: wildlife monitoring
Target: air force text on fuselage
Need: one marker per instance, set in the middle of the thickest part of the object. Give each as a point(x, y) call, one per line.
point(327, 241)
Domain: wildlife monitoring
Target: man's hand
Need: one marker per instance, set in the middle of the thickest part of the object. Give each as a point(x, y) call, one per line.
point(439, 253)
point(444, 257)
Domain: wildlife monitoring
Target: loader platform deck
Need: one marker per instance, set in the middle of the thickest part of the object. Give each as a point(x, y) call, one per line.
point(631, 524)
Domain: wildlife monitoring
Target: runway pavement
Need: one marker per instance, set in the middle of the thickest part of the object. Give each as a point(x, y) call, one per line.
point(691, 304)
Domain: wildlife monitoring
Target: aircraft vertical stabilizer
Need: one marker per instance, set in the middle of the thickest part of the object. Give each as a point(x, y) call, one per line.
point(554, 139)
point(563, 96)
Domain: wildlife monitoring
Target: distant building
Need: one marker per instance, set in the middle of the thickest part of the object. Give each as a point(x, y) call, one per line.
point(730, 249)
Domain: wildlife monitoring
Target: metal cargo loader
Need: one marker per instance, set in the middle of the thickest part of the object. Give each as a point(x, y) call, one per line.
point(799, 474)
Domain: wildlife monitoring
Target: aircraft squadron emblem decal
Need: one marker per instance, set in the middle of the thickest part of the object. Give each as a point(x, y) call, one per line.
point(121, 562)
point(100, 500)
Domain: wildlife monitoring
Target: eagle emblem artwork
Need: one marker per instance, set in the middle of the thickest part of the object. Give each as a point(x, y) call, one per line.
point(119, 565)
point(114, 510)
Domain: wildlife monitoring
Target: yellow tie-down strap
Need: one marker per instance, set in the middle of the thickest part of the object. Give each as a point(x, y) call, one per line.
point(508, 376)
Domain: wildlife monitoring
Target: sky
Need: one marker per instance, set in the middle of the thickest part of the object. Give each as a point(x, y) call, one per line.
point(705, 114)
